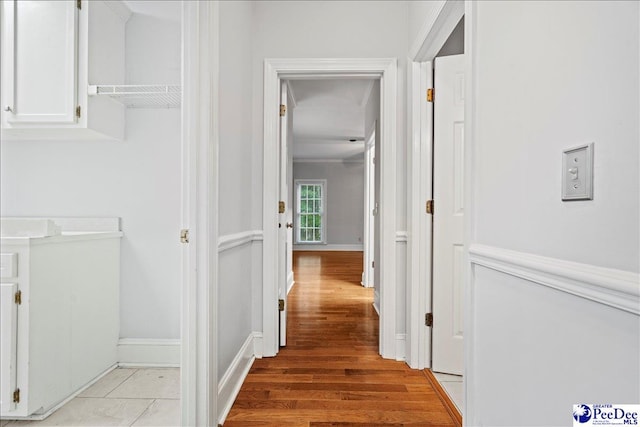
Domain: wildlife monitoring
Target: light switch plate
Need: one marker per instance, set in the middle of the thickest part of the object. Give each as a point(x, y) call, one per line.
point(577, 173)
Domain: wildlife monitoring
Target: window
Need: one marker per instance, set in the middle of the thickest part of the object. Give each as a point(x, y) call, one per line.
point(311, 206)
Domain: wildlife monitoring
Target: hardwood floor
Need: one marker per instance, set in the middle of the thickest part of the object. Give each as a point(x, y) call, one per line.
point(330, 373)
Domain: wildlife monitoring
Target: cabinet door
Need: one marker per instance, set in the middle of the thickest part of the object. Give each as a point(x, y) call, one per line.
point(40, 61)
point(8, 350)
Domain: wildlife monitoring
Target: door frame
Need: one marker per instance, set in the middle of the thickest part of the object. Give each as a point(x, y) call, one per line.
point(369, 204)
point(431, 37)
point(199, 267)
point(386, 70)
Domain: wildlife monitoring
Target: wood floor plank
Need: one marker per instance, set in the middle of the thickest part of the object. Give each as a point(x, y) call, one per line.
point(330, 374)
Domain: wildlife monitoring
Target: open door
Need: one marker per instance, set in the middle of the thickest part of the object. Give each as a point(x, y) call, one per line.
point(448, 215)
point(283, 216)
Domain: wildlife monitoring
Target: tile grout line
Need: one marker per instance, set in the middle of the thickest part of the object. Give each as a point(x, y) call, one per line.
point(121, 383)
point(143, 412)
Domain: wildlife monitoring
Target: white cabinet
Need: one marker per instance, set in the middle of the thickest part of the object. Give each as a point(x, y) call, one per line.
point(51, 52)
point(62, 330)
point(8, 331)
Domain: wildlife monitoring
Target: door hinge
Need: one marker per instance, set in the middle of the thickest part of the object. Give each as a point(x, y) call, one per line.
point(430, 95)
point(283, 110)
point(280, 305)
point(428, 319)
point(16, 396)
point(373, 264)
point(78, 112)
point(184, 235)
point(430, 207)
point(17, 298)
point(281, 206)
point(79, 4)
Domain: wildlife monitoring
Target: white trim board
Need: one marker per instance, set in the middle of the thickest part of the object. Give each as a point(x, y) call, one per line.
point(615, 288)
point(290, 282)
point(148, 352)
point(328, 247)
point(232, 380)
point(384, 69)
point(230, 241)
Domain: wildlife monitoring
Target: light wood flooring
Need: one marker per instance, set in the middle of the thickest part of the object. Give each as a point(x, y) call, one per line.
point(330, 373)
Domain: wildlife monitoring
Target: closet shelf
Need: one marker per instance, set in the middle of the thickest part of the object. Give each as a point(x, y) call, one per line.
point(141, 96)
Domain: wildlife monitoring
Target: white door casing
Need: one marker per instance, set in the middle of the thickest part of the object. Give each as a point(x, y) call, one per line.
point(386, 70)
point(369, 205)
point(448, 218)
point(283, 215)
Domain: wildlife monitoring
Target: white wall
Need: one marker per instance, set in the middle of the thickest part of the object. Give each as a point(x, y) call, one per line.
point(329, 29)
point(553, 75)
point(344, 197)
point(137, 179)
point(235, 275)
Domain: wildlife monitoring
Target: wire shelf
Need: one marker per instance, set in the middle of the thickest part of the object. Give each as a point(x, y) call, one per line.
point(141, 96)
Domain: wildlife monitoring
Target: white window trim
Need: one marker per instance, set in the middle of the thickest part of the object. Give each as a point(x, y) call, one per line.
point(323, 213)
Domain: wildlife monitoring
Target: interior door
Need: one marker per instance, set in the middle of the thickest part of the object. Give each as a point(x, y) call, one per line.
point(8, 350)
point(283, 228)
point(448, 192)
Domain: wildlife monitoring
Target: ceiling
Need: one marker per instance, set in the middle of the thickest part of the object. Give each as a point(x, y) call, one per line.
point(168, 10)
point(327, 114)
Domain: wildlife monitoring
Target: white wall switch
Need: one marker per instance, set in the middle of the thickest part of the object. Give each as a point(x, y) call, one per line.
point(577, 173)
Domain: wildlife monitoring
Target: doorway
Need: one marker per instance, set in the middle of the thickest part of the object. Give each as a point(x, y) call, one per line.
point(275, 72)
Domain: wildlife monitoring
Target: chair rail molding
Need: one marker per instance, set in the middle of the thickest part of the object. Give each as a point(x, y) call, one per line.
point(615, 288)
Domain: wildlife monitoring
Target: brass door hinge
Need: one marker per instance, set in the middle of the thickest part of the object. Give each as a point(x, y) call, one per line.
point(16, 396)
point(428, 319)
point(78, 112)
point(79, 4)
point(281, 206)
point(280, 305)
point(184, 235)
point(430, 207)
point(283, 110)
point(17, 298)
point(430, 95)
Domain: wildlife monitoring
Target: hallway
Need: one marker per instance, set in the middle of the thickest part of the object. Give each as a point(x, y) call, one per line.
point(330, 372)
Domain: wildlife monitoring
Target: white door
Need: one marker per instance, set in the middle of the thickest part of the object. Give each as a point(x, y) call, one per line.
point(8, 351)
point(448, 192)
point(369, 205)
point(283, 216)
point(39, 84)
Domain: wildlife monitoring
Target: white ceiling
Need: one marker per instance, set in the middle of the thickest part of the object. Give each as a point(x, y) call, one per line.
point(168, 10)
point(326, 115)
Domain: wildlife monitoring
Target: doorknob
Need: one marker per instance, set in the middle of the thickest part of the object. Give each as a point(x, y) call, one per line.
point(289, 225)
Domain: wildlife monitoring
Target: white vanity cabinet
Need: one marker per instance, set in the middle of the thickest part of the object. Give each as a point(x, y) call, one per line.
point(51, 52)
point(59, 298)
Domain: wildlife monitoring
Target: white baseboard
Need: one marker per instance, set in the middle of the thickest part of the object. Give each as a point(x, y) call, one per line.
point(401, 347)
point(290, 282)
point(356, 248)
point(376, 302)
point(148, 352)
point(257, 344)
point(232, 380)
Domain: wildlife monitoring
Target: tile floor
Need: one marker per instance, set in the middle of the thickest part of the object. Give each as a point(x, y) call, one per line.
point(452, 384)
point(123, 397)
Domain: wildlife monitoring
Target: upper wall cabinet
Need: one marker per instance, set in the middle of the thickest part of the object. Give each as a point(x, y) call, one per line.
point(51, 52)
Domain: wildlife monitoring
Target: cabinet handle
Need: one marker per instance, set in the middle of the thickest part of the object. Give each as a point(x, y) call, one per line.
point(8, 109)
